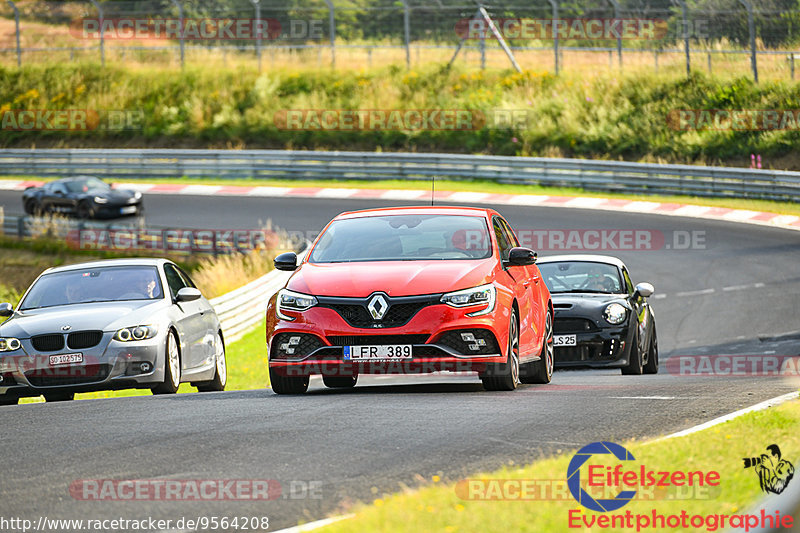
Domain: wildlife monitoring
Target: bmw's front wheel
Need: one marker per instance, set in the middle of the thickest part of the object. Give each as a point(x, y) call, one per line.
point(220, 372)
point(172, 367)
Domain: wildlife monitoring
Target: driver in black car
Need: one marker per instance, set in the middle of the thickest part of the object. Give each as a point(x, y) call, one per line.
point(596, 280)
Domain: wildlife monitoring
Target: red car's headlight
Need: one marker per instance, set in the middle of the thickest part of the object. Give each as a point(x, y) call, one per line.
point(292, 301)
point(484, 295)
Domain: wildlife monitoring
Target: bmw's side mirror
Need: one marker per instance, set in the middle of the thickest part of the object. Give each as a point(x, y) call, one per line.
point(188, 294)
point(644, 290)
point(286, 261)
point(519, 256)
point(6, 309)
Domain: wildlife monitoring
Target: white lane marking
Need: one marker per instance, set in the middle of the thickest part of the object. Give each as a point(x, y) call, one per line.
point(711, 423)
point(586, 202)
point(527, 199)
point(695, 293)
point(641, 206)
point(400, 194)
point(645, 398)
point(758, 285)
point(467, 196)
point(311, 526)
point(738, 287)
point(659, 296)
point(268, 191)
point(335, 193)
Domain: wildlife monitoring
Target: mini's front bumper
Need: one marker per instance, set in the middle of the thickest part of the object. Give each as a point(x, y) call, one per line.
point(111, 365)
point(607, 347)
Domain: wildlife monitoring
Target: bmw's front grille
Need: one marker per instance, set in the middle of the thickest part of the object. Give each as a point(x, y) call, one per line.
point(573, 325)
point(48, 343)
point(81, 340)
point(355, 311)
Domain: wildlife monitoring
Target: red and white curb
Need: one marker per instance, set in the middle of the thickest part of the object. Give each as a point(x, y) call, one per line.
point(466, 197)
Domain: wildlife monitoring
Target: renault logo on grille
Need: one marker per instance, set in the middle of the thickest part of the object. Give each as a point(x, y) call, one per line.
point(378, 306)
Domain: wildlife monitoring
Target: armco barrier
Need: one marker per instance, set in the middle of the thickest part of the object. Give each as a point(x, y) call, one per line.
point(240, 310)
point(643, 178)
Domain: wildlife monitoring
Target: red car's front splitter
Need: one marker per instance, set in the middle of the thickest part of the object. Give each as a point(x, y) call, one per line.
point(414, 366)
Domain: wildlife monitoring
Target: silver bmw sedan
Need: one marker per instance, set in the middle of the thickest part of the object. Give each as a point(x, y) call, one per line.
point(109, 325)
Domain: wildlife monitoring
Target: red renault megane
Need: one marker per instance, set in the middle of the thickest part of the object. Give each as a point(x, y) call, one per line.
point(411, 290)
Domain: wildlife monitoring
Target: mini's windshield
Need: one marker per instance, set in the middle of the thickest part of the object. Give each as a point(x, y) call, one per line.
point(403, 238)
point(581, 276)
point(87, 185)
point(94, 285)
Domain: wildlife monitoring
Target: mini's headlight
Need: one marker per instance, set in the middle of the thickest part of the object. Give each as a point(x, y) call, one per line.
point(615, 314)
point(483, 295)
point(292, 301)
point(9, 344)
point(100, 200)
point(135, 333)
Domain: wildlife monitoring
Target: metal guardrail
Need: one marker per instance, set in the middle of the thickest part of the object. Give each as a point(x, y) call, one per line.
point(242, 309)
point(613, 176)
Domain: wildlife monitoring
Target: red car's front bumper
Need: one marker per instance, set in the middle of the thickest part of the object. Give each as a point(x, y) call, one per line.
point(435, 333)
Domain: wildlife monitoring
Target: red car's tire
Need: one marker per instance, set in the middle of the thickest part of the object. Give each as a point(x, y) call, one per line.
point(541, 371)
point(505, 376)
point(287, 385)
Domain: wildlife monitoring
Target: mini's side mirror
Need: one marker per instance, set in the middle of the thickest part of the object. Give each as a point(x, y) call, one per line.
point(188, 294)
point(286, 261)
point(6, 309)
point(644, 290)
point(519, 256)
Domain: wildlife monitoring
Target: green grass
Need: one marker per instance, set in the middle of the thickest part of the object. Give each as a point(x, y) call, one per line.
point(247, 369)
point(596, 115)
point(438, 508)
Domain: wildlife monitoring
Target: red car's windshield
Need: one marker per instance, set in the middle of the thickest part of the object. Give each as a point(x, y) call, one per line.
point(403, 238)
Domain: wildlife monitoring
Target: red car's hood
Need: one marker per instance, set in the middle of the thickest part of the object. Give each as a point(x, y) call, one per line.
point(395, 278)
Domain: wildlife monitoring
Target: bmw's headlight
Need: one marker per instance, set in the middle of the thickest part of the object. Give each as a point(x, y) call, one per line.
point(100, 200)
point(135, 333)
point(292, 301)
point(484, 295)
point(615, 314)
point(9, 344)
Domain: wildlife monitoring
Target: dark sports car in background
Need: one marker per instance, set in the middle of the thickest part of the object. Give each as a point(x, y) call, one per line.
point(83, 197)
point(601, 318)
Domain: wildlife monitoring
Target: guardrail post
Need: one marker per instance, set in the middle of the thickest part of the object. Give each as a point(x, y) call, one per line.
point(619, 37)
point(554, 3)
point(407, 32)
point(102, 32)
point(180, 16)
point(16, 29)
point(791, 64)
point(332, 28)
point(258, 27)
point(751, 27)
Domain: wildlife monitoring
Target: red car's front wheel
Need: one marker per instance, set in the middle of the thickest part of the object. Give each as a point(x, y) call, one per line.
point(505, 376)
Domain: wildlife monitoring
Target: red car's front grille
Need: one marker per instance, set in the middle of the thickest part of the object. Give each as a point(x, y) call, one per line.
point(397, 315)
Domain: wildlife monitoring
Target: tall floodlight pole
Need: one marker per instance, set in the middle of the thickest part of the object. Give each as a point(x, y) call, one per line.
point(554, 3)
point(102, 32)
point(751, 26)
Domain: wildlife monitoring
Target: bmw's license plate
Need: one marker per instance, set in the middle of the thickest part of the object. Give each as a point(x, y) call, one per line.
point(565, 340)
point(66, 359)
point(377, 353)
point(131, 209)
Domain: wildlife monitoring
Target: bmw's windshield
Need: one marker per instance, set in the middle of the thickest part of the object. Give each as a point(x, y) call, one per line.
point(403, 238)
point(94, 285)
point(580, 276)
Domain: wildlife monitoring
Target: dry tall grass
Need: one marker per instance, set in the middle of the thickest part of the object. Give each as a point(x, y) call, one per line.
point(218, 275)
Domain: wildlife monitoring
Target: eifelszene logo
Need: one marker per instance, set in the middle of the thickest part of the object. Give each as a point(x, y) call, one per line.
point(774, 473)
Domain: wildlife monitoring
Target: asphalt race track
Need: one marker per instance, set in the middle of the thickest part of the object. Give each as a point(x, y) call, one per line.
point(735, 292)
